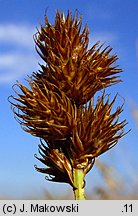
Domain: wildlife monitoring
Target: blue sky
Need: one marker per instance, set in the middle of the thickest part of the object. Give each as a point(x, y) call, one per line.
point(110, 21)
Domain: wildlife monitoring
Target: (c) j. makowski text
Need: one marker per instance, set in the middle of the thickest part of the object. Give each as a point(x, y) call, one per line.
point(32, 208)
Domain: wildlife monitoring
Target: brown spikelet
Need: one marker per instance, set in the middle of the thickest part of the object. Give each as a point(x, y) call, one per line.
point(58, 168)
point(98, 128)
point(79, 72)
point(44, 112)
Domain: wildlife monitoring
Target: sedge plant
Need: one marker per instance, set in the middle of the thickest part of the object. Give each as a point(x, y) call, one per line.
point(60, 105)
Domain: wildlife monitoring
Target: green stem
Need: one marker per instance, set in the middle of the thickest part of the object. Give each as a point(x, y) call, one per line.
point(78, 175)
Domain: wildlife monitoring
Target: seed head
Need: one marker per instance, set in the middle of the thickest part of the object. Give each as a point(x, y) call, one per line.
point(58, 106)
point(74, 69)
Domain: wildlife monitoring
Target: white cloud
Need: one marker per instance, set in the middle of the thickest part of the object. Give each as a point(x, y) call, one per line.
point(7, 61)
point(18, 56)
point(16, 65)
point(107, 37)
point(18, 34)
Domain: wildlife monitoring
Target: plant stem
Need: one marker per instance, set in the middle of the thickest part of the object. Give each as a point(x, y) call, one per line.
point(78, 175)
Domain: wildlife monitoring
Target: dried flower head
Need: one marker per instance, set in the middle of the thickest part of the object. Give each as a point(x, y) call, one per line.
point(75, 136)
point(74, 69)
point(96, 130)
point(59, 104)
point(46, 112)
point(58, 167)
